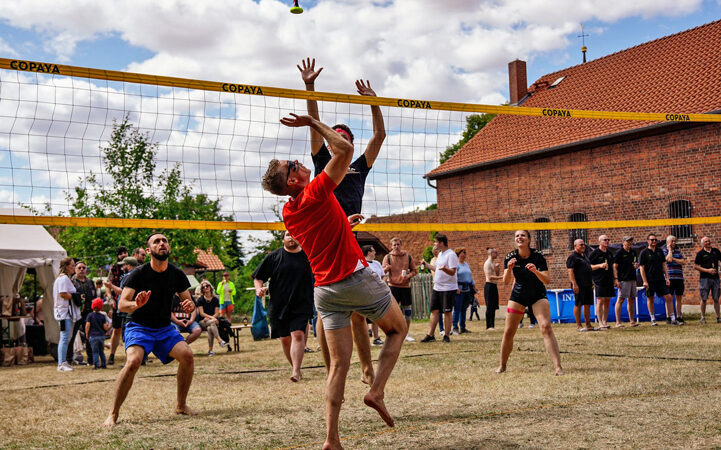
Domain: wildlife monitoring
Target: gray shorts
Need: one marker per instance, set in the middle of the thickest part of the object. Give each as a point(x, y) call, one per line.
point(706, 285)
point(362, 292)
point(627, 289)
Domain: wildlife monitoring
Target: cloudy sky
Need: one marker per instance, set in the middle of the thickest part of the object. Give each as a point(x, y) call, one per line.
point(455, 50)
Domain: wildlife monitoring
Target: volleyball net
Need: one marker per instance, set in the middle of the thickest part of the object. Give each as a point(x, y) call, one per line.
point(57, 123)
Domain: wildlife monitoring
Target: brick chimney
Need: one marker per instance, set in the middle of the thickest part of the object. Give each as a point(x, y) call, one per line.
point(518, 87)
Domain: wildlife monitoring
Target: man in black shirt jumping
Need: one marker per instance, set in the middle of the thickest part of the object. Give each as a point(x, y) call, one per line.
point(148, 296)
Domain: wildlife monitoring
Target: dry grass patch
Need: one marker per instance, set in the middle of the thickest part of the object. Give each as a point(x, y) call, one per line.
point(633, 387)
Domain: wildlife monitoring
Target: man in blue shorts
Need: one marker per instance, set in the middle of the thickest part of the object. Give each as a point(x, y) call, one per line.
point(147, 297)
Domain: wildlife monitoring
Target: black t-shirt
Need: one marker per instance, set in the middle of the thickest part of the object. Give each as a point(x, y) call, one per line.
point(291, 283)
point(350, 191)
point(208, 306)
point(581, 268)
point(708, 260)
point(86, 288)
point(527, 287)
point(626, 270)
point(652, 262)
point(162, 286)
point(97, 322)
point(600, 276)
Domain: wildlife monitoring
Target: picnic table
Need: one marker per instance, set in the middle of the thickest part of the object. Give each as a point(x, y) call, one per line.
point(235, 331)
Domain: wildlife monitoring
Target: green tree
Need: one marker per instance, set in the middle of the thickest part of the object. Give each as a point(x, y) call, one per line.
point(474, 124)
point(131, 187)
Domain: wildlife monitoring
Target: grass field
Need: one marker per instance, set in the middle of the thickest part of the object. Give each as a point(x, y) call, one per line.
point(633, 387)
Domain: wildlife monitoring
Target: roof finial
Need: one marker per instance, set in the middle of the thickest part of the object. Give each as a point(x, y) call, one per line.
point(583, 47)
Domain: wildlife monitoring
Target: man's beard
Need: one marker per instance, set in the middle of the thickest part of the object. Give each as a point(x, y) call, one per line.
point(160, 256)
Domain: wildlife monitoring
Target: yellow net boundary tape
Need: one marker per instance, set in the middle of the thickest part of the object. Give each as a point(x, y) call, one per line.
point(59, 221)
point(246, 89)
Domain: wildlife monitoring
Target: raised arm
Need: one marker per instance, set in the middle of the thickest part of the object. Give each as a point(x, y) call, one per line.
point(342, 150)
point(309, 74)
point(379, 129)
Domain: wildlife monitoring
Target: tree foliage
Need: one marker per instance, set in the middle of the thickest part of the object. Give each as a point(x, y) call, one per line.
point(474, 124)
point(130, 186)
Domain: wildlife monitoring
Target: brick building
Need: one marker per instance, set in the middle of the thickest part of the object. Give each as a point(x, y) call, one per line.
point(536, 169)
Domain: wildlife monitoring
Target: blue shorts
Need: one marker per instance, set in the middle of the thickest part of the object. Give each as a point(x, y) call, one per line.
point(160, 341)
point(189, 329)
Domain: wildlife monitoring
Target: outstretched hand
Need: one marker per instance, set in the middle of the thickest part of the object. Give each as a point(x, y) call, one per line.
point(142, 298)
point(296, 121)
point(308, 72)
point(365, 88)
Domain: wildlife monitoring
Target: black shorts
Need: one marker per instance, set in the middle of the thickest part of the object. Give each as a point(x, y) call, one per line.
point(604, 290)
point(657, 289)
point(402, 295)
point(118, 319)
point(677, 287)
point(443, 301)
point(283, 327)
point(584, 296)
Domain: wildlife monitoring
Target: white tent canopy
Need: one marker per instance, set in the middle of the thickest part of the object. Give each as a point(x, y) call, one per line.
point(30, 246)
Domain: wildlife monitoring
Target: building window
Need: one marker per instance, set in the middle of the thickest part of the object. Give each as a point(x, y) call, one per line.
point(577, 233)
point(681, 209)
point(543, 237)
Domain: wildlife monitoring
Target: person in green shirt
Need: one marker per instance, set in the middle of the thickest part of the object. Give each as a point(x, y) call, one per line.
point(226, 292)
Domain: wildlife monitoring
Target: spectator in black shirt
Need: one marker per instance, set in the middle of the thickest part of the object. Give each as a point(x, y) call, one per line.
point(528, 269)
point(655, 278)
point(290, 306)
point(209, 310)
point(85, 287)
point(624, 271)
point(602, 265)
point(580, 274)
point(707, 263)
point(147, 296)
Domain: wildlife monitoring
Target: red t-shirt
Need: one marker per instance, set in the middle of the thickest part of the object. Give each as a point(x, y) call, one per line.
point(316, 220)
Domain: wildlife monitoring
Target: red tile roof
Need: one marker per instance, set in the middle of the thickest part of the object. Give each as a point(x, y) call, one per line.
point(208, 260)
point(680, 73)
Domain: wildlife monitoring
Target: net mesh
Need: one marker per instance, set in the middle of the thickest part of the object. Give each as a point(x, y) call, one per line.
point(53, 130)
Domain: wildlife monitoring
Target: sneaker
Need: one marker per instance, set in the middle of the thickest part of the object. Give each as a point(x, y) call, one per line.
point(308, 350)
point(211, 353)
point(80, 363)
point(223, 344)
point(443, 333)
point(520, 324)
point(446, 339)
point(103, 367)
point(668, 320)
point(111, 359)
point(653, 323)
point(429, 338)
point(703, 320)
point(370, 333)
point(718, 320)
point(65, 367)
point(675, 322)
point(228, 347)
point(455, 333)
point(410, 339)
point(533, 325)
point(466, 330)
point(680, 321)
point(377, 342)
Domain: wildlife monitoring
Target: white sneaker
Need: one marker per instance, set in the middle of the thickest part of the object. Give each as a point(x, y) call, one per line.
point(653, 323)
point(454, 333)
point(211, 353)
point(533, 325)
point(410, 339)
point(443, 333)
point(65, 367)
point(223, 344)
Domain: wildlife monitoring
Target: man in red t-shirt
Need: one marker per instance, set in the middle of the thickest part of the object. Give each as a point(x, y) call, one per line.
point(343, 282)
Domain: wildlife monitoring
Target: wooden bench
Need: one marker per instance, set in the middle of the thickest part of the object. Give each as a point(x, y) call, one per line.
point(235, 331)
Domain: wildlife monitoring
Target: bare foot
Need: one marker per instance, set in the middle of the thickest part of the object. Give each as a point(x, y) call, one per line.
point(378, 404)
point(368, 378)
point(501, 369)
point(111, 421)
point(296, 377)
point(558, 372)
point(329, 446)
point(186, 411)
